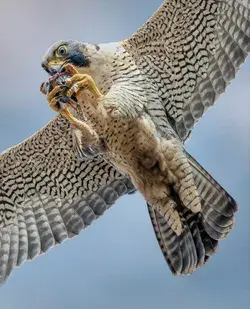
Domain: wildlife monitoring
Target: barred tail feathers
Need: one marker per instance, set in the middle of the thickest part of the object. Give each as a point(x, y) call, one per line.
point(201, 231)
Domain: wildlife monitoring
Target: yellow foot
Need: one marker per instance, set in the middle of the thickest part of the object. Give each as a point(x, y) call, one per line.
point(79, 82)
point(54, 98)
point(58, 102)
point(57, 99)
point(90, 137)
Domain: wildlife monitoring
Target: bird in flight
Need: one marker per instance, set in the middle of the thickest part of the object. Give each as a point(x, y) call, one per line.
point(151, 89)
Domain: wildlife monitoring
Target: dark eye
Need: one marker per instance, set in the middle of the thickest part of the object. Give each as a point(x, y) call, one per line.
point(62, 50)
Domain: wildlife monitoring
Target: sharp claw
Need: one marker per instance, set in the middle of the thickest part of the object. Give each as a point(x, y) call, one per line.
point(73, 98)
point(70, 69)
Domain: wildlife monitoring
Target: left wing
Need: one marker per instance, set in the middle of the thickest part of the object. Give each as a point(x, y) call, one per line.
point(191, 50)
point(48, 195)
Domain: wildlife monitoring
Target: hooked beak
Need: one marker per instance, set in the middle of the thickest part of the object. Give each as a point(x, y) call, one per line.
point(53, 67)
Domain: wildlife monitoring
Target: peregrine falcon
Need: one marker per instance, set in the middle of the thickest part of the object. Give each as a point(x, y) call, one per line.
point(126, 109)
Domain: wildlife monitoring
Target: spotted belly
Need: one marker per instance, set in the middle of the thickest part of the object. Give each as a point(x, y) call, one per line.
point(131, 149)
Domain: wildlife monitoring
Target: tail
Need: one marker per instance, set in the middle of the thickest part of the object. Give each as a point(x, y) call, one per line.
point(201, 231)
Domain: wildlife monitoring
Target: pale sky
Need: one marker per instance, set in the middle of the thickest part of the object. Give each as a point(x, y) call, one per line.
point(116, 263)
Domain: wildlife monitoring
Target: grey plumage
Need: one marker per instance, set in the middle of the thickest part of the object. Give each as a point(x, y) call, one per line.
point(182, 59)
point(52, 195)
point(203, 46)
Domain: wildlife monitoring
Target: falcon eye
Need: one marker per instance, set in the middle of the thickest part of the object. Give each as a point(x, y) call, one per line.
point(62, 50)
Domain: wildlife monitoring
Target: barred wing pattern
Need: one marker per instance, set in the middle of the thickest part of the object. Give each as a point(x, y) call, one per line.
point(191, 50)
point(47, 195)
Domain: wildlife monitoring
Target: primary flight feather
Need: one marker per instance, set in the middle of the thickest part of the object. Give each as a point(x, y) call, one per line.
point(168, 74)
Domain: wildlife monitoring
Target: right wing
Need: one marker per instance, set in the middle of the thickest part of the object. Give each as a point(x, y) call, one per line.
point(48, 195)
point(191, 50)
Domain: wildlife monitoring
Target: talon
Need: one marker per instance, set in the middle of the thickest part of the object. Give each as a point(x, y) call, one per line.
point(74, 121)
point(56, 104)
point(80, 82)
point(70, 69)
point(55, 92)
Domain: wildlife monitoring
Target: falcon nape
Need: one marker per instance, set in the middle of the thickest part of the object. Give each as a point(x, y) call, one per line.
point(170, 72)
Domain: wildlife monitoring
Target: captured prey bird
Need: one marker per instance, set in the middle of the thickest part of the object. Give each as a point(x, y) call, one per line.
point(126, 109)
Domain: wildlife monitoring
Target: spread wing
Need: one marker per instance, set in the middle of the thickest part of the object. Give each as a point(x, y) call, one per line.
point(191, 50)
point(48, 195)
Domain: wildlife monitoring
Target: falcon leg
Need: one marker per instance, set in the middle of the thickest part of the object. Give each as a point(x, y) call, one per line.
point(79, 82)
point(54, 98)
point(90, 137)
point(58, 103)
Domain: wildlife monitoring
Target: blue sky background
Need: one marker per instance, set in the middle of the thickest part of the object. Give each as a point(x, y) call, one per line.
point(116, 263)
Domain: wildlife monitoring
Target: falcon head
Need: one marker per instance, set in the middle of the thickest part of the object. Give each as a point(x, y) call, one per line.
point(77, 53)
